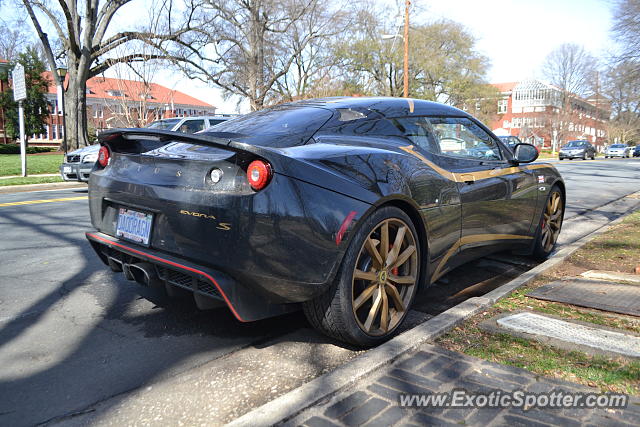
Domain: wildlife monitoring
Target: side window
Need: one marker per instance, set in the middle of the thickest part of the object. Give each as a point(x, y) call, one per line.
point(460, 137)
point(419, 131)
point(192, 126)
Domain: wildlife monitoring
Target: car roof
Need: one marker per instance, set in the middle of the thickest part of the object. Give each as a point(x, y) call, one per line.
point(204, 117)
point(387, 106)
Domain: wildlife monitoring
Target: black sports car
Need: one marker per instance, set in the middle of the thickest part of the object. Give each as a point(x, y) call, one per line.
point(344, 206)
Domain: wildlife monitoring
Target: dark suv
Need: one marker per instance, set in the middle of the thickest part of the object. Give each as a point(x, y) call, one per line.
point(577, 150)
point(636, 151)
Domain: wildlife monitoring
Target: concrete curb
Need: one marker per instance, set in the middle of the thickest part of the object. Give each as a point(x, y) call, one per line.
point(8, 189)
point(30, 176)
point(322, 388)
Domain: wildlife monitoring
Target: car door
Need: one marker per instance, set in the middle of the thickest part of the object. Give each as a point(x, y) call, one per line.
point(435, 192)
point(498, 199)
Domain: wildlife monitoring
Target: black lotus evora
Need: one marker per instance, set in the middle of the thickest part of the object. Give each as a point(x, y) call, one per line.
point(341, 206)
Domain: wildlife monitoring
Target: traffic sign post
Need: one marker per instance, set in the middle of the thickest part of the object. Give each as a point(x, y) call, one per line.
point(23, 142)
point(19, 95)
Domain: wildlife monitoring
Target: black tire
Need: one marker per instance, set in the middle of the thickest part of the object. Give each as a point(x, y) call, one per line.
point(542, 248)
point(584, 156)
point(333, 314)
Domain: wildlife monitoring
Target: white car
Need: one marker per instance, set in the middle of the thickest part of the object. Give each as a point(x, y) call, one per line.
point(78, 164)
point(617, 150)
point(189, 124)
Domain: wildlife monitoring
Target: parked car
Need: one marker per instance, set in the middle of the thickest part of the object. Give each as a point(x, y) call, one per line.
point(636, 151)
point(341, 206)
point(577, 150)
point(188, 124)
point(617, 150)
point(77, 164)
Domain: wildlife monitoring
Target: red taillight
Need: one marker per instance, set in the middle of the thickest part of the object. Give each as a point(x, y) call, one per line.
point(258, 174)
point(103, 156)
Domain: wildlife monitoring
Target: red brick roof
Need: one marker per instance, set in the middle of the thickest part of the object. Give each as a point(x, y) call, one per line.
point(101, 87)
point(505, 87)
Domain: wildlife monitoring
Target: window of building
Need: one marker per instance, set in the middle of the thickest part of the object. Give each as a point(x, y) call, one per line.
point(54, 131)
point(114, 92)
point(502, 106)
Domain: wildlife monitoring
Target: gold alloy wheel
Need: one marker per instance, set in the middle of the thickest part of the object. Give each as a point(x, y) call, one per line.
point(385, 277)
point(552, 221)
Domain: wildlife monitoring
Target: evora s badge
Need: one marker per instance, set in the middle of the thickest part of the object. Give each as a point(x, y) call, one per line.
point(225, 226)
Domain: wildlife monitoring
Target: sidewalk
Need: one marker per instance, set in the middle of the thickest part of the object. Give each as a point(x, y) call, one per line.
point(433, 369)
point(30, 175)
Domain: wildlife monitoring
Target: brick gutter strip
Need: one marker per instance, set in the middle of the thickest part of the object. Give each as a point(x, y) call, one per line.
point(324, 387)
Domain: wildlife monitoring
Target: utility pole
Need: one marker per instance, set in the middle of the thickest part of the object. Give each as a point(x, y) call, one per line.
point(407, 3)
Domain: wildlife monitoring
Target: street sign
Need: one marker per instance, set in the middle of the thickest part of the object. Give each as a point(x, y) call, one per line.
point(19, 85)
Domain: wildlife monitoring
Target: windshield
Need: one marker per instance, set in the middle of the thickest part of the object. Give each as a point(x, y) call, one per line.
point(163, 124)
point(618, 146)
point(272, 127)
point(575, 143)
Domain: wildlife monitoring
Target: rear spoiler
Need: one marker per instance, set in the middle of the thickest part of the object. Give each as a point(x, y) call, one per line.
point(123, 140)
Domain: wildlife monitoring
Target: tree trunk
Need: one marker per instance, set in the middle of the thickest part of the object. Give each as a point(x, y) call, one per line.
point(75, 107)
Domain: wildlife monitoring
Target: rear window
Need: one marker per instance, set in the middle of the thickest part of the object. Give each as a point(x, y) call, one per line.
point(274, 127)
point(618, 146)
point(163, 124)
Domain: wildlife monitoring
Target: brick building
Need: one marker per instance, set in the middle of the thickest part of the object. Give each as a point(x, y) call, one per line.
point(532, 110)
point(114, 103)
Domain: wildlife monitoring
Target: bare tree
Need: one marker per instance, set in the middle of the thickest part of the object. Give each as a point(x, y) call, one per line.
point(248, 41)
point(622, 89)
point(571, 68)
point(84, 31)
point(136, 106)
point(314, 63)
point(369, 62)
point(626, 29)
point(14, 40)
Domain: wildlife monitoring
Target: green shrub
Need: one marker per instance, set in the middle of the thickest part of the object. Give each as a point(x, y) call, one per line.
point(15, 149)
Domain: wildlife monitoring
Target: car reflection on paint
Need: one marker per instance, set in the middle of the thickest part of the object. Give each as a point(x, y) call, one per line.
point(343, 207)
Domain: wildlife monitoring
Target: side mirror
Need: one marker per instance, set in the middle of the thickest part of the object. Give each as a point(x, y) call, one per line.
point(525, 153)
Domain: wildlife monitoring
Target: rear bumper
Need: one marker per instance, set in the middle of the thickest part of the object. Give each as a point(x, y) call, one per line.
point(245, 305)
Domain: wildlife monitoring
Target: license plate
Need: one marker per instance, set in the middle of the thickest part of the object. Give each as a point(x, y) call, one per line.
point(134, 226)
point(66, 169)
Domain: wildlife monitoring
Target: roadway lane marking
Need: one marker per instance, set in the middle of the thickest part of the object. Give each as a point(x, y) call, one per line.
point(34, 202)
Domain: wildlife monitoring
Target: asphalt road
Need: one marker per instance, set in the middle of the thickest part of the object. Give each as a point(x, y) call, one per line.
point(80, 345)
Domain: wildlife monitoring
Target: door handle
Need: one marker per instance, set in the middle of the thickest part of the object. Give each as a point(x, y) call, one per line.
point(468, 178)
